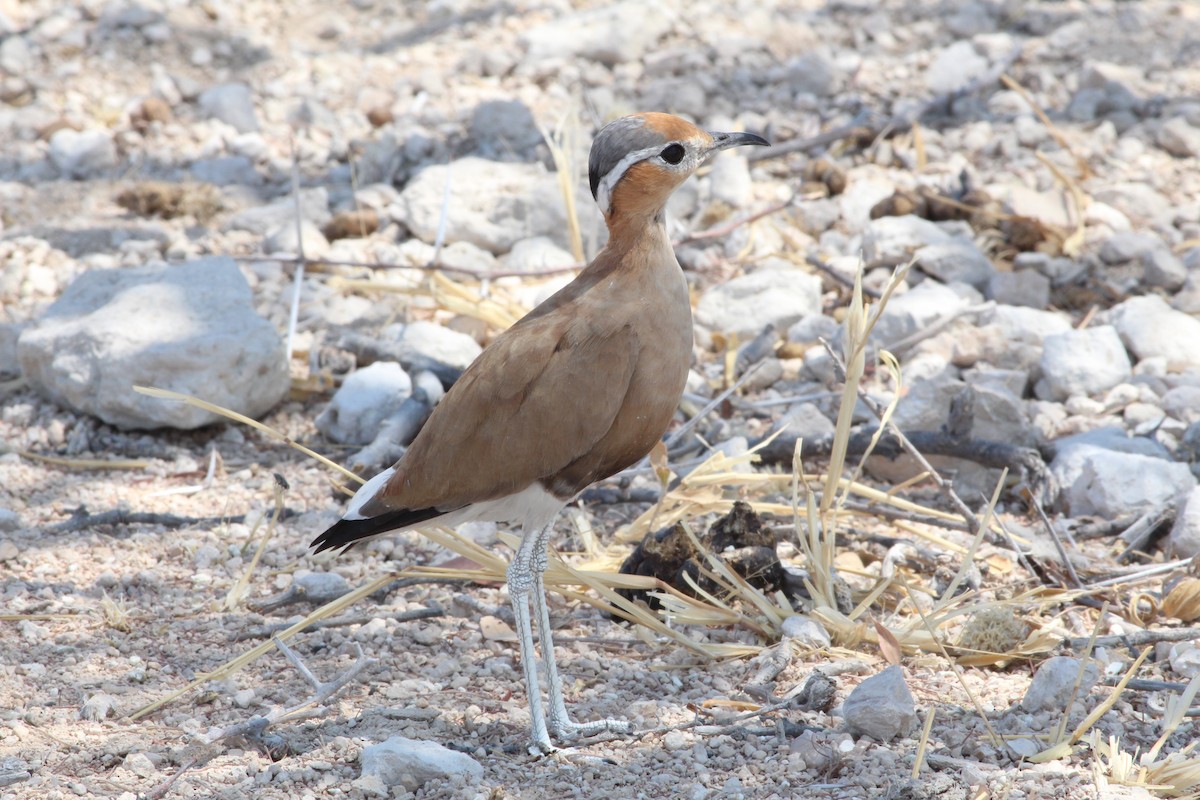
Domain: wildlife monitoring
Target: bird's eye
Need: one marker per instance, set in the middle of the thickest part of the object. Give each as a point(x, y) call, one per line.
point(672, 153)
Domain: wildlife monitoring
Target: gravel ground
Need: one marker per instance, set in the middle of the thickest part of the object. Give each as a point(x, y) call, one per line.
point(102, 615)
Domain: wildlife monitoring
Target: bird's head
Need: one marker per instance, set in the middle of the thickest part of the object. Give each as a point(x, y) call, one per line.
point(637, 161)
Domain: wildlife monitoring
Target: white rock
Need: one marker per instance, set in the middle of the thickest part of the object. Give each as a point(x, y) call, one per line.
point(283, 240)
point(492, 205)
point(365, 399)
point(613, 34)
point(881, 707)
point(399, 756)
point(1083, 362)
point(1185, 659)
point(1107, 483)
point(1053, 682)
point(467, 256)
point(536, 253)
point(1149, 327)
point(1184, 539)
point(1179, 138)
point(82, 154)
point(233, 104)
point(730, 180)
point(918, 308)
point(242, 698)
point(262, 220)
point(954, 67)
point(806, 631)
point(748, 303)
point(896, 238)
point(1032, 325)
point(188, 328)
point(427, 345)
point(139, 764)
point(98, 706)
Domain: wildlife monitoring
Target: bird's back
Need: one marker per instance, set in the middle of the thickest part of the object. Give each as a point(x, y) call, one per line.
point(577, 390)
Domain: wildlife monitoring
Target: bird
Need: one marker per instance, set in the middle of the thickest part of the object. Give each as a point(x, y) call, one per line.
point(580, 388)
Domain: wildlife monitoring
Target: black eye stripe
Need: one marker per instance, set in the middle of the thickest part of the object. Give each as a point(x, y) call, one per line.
point(672, 153)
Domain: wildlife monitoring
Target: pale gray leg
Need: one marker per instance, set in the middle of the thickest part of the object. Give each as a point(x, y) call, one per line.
point(561, 726)
point(521, 579)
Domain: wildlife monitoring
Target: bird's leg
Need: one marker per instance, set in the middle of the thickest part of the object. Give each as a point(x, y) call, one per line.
point(561, 726)
point(521, 579)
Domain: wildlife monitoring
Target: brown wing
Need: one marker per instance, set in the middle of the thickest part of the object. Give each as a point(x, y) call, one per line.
point(535, 401)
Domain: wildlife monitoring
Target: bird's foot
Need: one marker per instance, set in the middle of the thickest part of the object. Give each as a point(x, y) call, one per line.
point(565, 730)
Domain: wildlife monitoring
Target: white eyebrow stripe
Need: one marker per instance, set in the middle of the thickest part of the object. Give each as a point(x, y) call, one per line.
point(609, 181)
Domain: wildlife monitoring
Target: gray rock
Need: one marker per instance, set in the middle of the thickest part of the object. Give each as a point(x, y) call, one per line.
point(1082, 363)
point(1184, 539)
point(954, 67)
point(1162, 268)
point(426, 345)
point(9, 520)
point(1054, 682)
point(537, 253)
point(804, 420)
point(1142, 203)
point(748, 303)
point(9, 334)
point(189, 328)
point(1024, 287)
point(224, 170)
point(810, 329)
point(1096, 480)
point(1179, 138)
point(505, 130)
point(231, 103)
point(284, 240)
point(896, 238)
point(1012, 381)
point(492, 205)
point(1124, 246)
point(959, 260)
point(264, 220)
point(614, 34)
point(390, 761)
point(1149, 327)
point(813, 73)
point(365, 399)
point(82, 154)
point(1183, 403)
point(881, 707)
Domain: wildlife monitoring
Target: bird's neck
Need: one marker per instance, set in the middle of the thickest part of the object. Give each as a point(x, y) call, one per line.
point(632, 232)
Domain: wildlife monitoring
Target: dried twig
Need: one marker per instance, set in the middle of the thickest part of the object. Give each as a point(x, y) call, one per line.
point(254, 728)
point(81, 519)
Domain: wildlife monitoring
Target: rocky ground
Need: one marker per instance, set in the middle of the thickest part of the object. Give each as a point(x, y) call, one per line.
point(162, 165)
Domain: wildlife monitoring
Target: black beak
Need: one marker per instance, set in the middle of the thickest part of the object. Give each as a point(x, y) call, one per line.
point(723, 141)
